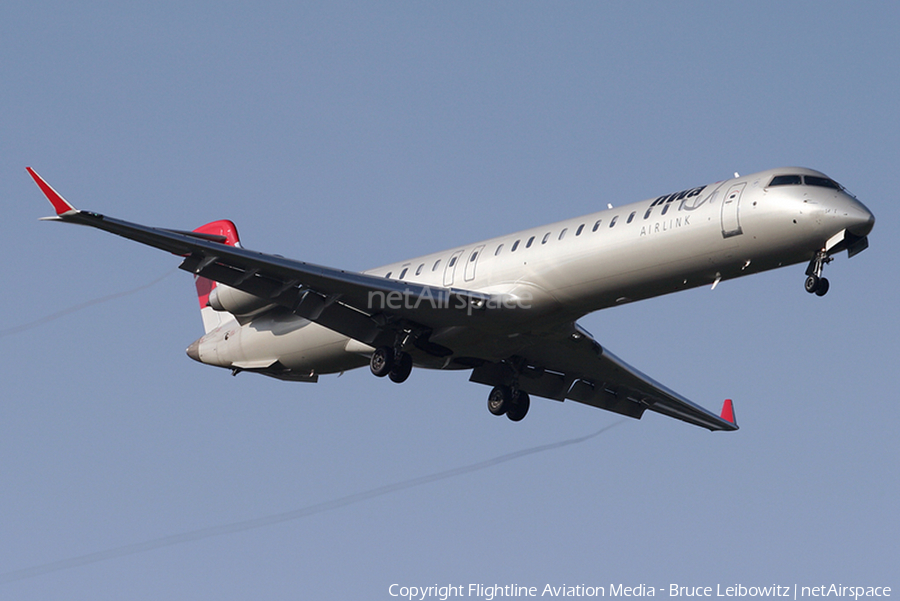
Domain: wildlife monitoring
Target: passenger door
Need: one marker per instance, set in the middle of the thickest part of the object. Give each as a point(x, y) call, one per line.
point(731, 204)
point(470, 264)
point(450, 269)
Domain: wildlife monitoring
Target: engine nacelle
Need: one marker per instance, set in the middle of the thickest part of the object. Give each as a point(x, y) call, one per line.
point(236, 302)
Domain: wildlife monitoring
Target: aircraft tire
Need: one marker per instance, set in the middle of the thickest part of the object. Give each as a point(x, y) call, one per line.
point(519, 408)
point(402, 368)
point(822, 288)
point(499, 400)
point(382, 361)
point(811, 284)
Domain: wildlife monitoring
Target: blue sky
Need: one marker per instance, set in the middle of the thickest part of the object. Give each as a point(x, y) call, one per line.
point(358, 134)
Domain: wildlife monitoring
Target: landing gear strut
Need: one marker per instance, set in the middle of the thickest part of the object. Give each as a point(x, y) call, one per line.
point(504, 400)
point(815, 283)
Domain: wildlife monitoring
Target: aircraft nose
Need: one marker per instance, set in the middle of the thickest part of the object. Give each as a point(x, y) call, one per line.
point(859, 219)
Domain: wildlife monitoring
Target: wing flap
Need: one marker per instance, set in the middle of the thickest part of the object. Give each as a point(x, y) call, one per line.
point(585, 392)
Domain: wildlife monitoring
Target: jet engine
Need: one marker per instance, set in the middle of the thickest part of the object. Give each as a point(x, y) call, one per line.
point(236, 302)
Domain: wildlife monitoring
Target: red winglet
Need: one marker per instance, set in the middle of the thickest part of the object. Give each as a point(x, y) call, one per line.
point(59, 203)
point(728, 411)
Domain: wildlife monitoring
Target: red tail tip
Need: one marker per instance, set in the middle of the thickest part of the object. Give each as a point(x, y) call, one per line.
point(223, 227)
point(227, 230)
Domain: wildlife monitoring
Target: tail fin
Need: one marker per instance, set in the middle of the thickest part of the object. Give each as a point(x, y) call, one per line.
point(225, 231)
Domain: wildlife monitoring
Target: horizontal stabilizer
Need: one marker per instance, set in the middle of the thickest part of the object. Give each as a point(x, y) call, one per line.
point(223, 231)
point(200, 235)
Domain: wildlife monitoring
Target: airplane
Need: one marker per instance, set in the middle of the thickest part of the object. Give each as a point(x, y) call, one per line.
point(506, 308)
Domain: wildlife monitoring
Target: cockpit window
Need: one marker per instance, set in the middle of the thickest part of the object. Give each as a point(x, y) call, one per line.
point(823, 182)
point(785, 180)
point(809, 180)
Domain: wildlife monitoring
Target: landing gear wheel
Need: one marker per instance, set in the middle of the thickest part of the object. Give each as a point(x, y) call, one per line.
point(519, 407)
point(382, 361)
point(815, 283)
point(402, 368)
point(500, 400)
point(812, 284)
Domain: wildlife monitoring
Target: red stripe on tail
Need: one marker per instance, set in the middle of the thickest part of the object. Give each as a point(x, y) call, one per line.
point(228, 230)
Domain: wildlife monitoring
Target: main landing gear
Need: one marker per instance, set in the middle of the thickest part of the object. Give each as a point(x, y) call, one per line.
point(514, 403)
point(397, 365)
point(815, 283)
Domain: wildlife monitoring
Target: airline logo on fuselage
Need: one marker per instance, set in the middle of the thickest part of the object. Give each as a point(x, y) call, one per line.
point(683, 196)
point(690, 201)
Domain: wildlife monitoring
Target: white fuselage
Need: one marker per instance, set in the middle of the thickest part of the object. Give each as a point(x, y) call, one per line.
point(564, 270)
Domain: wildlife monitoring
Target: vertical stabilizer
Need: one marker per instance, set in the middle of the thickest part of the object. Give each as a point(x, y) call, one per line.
point(228, 232)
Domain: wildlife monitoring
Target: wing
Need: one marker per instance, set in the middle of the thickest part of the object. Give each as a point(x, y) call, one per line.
point(570, 364)
point(563, 364)
point(347, 302)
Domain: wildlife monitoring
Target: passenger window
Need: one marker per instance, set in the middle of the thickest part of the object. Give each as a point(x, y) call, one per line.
point(403, 273)
point(546, 237)
point(436, 263)
point(497, 252)
point(563, 233)
point(631, 217)
point(419, 270)
point(578, 231)
point(514, 246)
point(666, 208)
point(530, 241)
point(597, 225)
point(452, 262)
point(388, 275)
point(613, 222)
point(473, 257)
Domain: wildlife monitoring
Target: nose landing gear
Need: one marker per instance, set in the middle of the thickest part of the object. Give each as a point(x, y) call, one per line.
point(815, 283)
